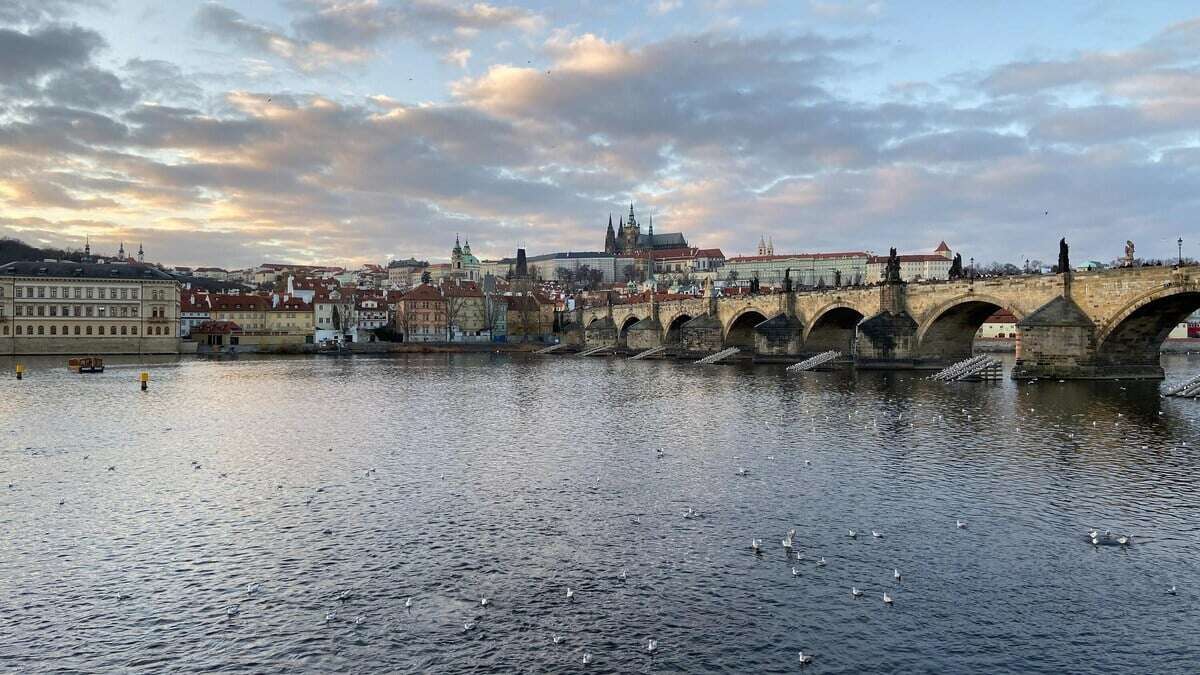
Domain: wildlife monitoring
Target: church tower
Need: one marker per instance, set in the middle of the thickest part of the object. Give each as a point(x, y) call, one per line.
point(762, 246)
point(121, 252)
point(630, 232)
point(141, 254)
point(610, 238)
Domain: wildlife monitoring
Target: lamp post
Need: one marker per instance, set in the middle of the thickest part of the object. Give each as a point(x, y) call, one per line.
point(1179, 243)
point(1027, 266)
point(972, 275)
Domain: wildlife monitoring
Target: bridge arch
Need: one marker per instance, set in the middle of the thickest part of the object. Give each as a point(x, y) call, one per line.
point(1136, 333)
point(623, 333)
point(740, 330)
point(832, 328)
point(673, 335)
point(948, 331)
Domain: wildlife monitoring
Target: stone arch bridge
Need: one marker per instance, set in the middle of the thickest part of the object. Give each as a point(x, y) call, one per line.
point(1098, 324)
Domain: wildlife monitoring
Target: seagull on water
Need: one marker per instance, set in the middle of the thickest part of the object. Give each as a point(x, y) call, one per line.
point(556, 639)
point(852, 534)
point(587, 658)
point(896, 575)
point(234, 610)
point(795, 572)
point(787, 541)
point(483, 602)
point(742, 471)
point(887, 599)
point(960, 524)
point(805, 659)
point(755, 544)
point(408, 603)
point(252, 588)
point(652, 645)
point(877, 535)
point(359, 620)
point(1123, 540)
point(344, 596)
point(570, 593)
point(468, 626)
point(821, 562)
point(331, 616)
point(622, 575)
point(1171, 590)
point(855, 592)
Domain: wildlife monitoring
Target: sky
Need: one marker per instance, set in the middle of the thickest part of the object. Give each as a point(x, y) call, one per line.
point(235, 132)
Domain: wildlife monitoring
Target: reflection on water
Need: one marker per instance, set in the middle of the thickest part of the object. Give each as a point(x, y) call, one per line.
point(346, 486)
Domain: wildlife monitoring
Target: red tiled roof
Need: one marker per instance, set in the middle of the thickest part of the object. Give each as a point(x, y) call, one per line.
point(249, 303)
point(817, 256)
point(216, 327)
point(709, 253)
point(665, 253)
point(422, 292)
point(942, 247)
point(916, 257)
point(293, 305)
point(466, 289)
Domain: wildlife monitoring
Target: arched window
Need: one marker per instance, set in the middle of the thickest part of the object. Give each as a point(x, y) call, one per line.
point(100, 330)
point(89, 330)
point(54, 330)
point(41, 330)
point(18, 330)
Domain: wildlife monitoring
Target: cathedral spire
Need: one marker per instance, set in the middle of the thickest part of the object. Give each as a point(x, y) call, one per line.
point(141, 253)
point(610, 238)
point(121, 251)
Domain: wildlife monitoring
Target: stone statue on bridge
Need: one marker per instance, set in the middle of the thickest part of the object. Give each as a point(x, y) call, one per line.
point(956, 269)
point(787, 280)
point(891, 273)
point(1064, 260)
point(1127, 261)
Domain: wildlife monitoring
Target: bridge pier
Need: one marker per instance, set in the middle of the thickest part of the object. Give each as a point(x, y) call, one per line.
point(888, 339)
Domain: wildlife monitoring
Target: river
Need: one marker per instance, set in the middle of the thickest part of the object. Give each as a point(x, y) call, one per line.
point(277, 515)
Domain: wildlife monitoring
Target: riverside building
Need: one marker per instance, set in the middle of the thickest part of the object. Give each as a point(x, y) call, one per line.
point(68, 307)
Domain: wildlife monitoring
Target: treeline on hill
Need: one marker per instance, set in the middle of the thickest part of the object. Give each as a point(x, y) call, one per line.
point(16, 250)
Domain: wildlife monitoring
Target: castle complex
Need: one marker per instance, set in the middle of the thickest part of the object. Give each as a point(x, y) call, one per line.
point(628, 239)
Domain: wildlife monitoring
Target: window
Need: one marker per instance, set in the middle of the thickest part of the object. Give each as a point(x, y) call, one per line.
point(90, 293)
point(78, 292)
point(124, 293)
point(54, 291)
point(41, 330)
point(132, 330)
point(101, 312)
point(100, 330)
point(5, 331)
point(41, 310)
point(123, 330)
point(89, 310)
point(66, 330)
point(41, 291)
point(53, 310)
point(89, 330)
point(77, 330)
point(20, 291)
point(18, 330)
point(112, 330)
point(133, 294)
point(54, 330)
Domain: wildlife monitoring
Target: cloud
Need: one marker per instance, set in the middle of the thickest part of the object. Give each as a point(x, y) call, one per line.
point(327, 33)
point(719, 133)
point(26, 56)
point(29, 12)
